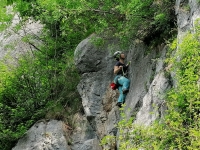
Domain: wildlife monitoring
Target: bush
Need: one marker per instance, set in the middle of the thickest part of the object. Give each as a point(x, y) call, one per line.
point(32, 89)
point(72, 21)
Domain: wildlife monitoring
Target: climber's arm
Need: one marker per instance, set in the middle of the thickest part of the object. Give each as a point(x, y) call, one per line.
point(128, 64)
point(117, 69)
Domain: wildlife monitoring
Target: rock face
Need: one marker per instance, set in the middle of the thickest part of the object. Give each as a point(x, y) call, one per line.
point(145, 100)
point(186, 17)
point(84, 137)
point(44, 136)
point(147, 89)
point(11, 40)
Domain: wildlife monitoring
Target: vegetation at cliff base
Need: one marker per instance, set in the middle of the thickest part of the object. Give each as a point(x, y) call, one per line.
point(32, 91)
point(47, 77)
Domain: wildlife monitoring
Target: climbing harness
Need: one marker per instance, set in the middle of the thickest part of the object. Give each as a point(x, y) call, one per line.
point(123, 73)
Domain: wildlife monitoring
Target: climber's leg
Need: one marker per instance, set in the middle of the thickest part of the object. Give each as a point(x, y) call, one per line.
point(125, 83)
point(122, 96)
point(116, 79)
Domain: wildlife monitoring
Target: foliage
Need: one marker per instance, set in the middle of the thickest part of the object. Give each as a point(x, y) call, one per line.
point(44, 79)
point(31, 90)
point(180, 127)
point(5, 15)
point(72, 21)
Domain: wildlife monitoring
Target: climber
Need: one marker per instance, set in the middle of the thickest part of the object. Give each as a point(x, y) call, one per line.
point(120, 70)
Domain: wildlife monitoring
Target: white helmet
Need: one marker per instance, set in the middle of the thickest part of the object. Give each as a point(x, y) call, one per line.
point(117, 54)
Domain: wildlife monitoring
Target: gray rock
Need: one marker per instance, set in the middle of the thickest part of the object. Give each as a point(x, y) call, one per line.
point(186, 18)
point(44, 136)
point(92, 144)
point(89, 57)
point(84, 136)
point(11, 43)
point(99, 101)
point(153, 106)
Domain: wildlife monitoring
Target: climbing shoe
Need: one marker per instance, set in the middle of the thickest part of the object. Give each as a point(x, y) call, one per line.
point(119, 104)
point(125, 91)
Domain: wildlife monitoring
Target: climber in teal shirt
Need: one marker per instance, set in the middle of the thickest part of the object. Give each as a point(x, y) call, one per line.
point(120, 70)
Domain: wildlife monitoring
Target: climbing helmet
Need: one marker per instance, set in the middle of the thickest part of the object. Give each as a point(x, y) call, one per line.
point(117, 54)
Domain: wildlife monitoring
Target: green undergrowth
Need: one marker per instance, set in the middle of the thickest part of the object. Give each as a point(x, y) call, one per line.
point(180, 127)
point(37, 88)
point(6, 15)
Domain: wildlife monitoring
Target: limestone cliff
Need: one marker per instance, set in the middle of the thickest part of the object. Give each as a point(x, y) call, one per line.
point(146, 98)
point(147, 89)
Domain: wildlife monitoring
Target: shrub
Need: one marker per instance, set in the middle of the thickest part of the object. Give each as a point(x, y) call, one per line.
point(32, 89)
